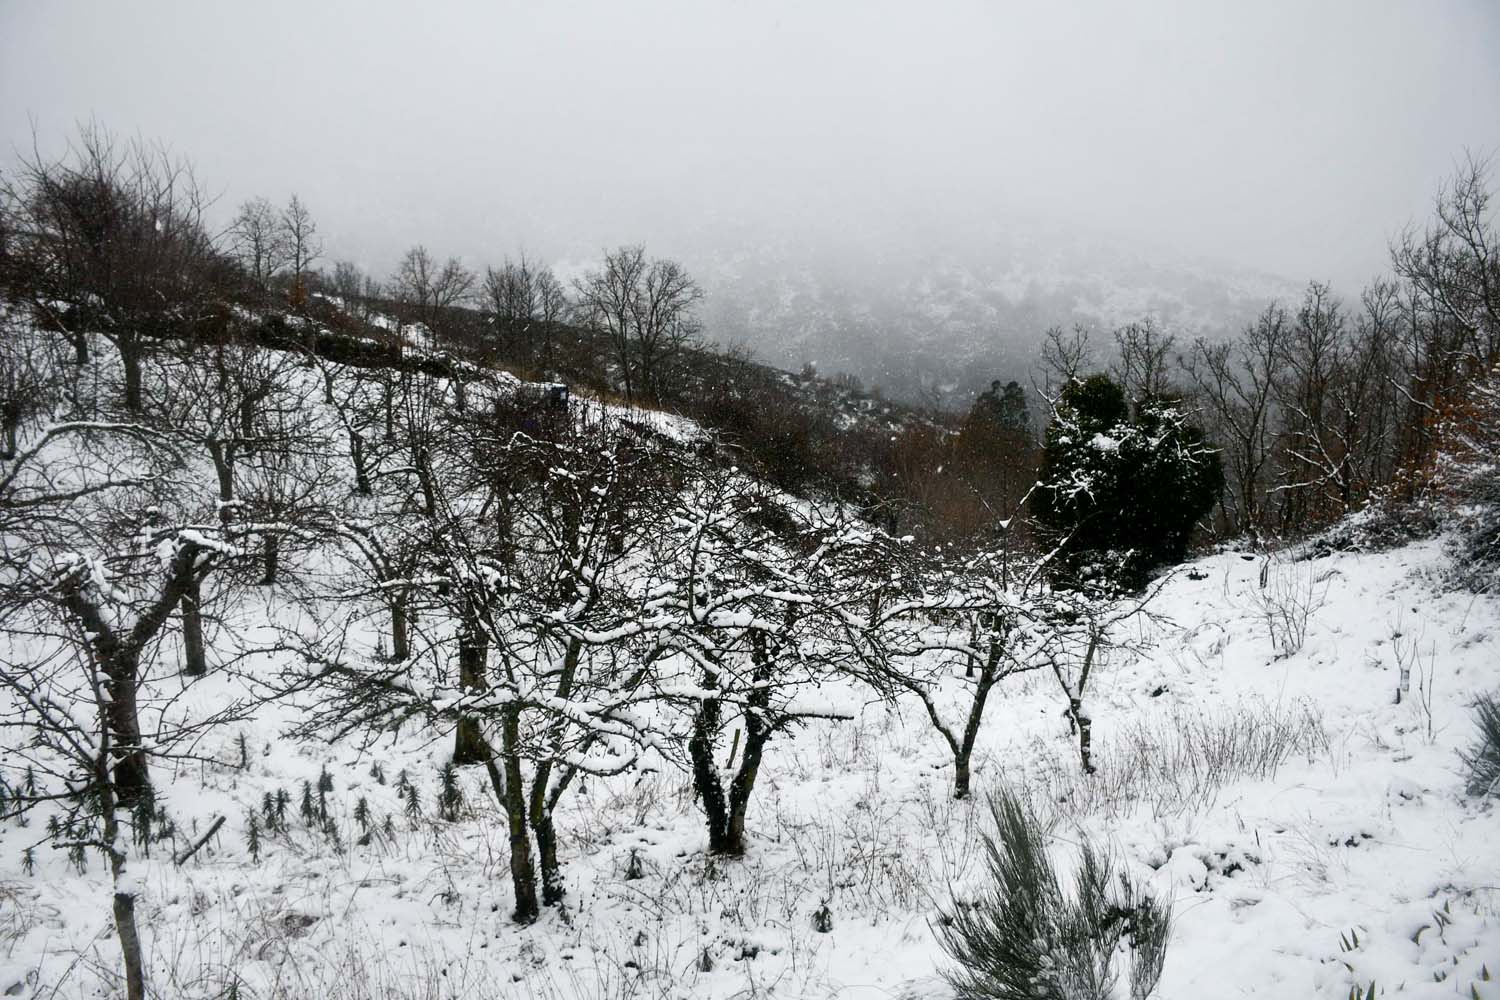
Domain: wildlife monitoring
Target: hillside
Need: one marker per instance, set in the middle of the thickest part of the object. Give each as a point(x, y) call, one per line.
point(1253, 765)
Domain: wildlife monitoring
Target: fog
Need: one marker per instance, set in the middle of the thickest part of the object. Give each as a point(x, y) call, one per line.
point(1286, 138)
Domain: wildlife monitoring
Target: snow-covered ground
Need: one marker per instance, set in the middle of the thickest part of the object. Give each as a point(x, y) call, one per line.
point(1312, 832)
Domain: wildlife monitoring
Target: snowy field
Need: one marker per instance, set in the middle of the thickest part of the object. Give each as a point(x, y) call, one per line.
point(1254, 765)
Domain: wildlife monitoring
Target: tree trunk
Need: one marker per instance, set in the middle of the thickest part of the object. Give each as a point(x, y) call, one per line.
point(247, 415)
point(424, 478)
point(546, 845)
point(705, 773)
point(522, 871)
point(124, 901)
point(272, 559)
point(961, 774)
point(757, 734)
point(469, 745)
point(130, 357)
point(1085, 734)
point(224, 471)
point(132, 778)
point(357, 453)
point(130, 946)
point(195, 662)
point(400, 642)
point(80, 349)
point(988, 673)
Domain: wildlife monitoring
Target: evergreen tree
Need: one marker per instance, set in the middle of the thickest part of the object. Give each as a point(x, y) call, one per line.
point(1120, 496)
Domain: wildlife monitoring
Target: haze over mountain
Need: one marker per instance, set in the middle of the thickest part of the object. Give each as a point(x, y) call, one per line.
point(935, 316)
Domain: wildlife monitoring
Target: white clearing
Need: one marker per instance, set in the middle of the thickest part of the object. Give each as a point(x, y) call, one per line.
point(1254, 763)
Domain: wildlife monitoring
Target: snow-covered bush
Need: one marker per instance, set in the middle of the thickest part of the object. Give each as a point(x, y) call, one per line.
point(1483, 758)
point(1468, 477)
point(1120, 494)
point(1027, 938)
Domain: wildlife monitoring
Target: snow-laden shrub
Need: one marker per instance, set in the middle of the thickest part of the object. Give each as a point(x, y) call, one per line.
point(1467, 477)
point(1121, 492)
point(1483, 759)
point(1385, 523)
point(1028, 938)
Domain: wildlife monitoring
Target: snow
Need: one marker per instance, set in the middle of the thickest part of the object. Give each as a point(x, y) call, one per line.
point(1352, 855)
point(1312, 832)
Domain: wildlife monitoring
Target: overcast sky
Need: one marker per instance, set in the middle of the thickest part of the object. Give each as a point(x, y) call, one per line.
point(1292, 137)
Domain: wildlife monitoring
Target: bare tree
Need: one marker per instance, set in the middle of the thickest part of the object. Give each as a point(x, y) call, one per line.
point(259, 241)
point(90, 588)
point(644, 306)
point(760, 607)
point(112, 240)
point(1066, 355)
point(299, 236)
point(980, 614)
point(428, 288)
point(553, 309)
point(551, 637)
point(1144, 363)
point(1455, 265)
point(511, 291)
point(1236, 383)
point(664, 323)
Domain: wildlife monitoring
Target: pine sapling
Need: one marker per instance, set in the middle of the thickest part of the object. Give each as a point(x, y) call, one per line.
point(413, 803)
point(450, 793)
point(252, 837)
point(362, 817)
point(28, 861)
point(325, 785)
point(362, 814)
point(309, 808)
point(1483, 757)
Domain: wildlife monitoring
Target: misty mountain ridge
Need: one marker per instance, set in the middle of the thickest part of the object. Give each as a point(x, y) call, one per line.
point(933, 317)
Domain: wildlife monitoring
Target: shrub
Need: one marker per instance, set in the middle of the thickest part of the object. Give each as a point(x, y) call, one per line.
point(1026, 938)
point(1121, 496)
point(1483, 760)
point(1465, 478)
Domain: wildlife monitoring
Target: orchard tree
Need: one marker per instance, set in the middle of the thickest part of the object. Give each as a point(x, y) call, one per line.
point(539, 622)
point(764, 606)
point(111, 239)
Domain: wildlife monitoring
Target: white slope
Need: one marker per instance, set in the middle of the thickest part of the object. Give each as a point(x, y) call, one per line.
point(1282, 799)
